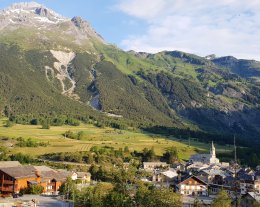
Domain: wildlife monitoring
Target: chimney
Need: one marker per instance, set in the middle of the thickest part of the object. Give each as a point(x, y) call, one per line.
point(38, 173)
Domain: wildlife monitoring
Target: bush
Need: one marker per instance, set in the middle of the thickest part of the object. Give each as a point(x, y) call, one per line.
point(9, 123)
point(22, 158)
point(69, 134)
point(34, 122)
point(73, 122)
point(35, 189)
point(21, 142)
point(45, 124)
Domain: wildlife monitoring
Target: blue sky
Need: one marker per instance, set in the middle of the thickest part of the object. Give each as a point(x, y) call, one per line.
point(223, 27)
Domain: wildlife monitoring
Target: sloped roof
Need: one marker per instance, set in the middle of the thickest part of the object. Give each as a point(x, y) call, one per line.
point(254, 195)
point(6, 164)
point(245, 174)
point(20, 172)
point(198, 165)
point(170, 173)
point(194, 177)
point(47, 173)
point(43, 168)
point(213, 172)
point(52, 174)
point(82, 174)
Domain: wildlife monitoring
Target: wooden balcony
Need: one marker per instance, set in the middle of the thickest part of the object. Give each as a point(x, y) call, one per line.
point(6, 189)
point(7, 182)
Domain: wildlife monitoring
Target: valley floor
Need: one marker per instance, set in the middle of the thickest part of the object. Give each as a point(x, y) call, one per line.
point(94, 136)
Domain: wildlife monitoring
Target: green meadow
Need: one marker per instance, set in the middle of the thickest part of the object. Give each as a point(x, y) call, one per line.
point(94, 136)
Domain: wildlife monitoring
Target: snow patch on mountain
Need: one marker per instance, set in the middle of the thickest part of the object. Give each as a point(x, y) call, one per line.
point(29, 14)
point(44, 20)
point(36, 16)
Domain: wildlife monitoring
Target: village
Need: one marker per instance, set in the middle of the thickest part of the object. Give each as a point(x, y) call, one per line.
point(200, 179)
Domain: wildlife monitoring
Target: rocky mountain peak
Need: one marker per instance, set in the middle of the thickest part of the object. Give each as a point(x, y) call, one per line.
point(36, 16)
point(42, 12)
point(78, 22)
point(85, 28)
point(29, 13)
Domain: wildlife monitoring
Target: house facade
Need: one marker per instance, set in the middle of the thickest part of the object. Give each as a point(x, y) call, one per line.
point(84, 177)
point(14, 179)
point(249, 181)
point(193, 186)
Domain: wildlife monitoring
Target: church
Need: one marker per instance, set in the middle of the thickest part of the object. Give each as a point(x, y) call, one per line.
point(208, 159)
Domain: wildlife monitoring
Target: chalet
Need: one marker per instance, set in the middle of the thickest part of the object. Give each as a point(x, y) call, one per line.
point(169, 176)
point(218, 180)
point(247, 180)
point(214, 189)
point(84, 177)
point(193, 186)
point(215, 176)
point(50, 179)
point(150, 166)
point(14, 179)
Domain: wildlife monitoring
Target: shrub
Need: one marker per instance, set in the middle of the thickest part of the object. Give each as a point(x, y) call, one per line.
point(45, 124)
point(35, 189)
point(9, 123)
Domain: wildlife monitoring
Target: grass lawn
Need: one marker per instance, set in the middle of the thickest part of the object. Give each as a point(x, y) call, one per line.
point(94, 136)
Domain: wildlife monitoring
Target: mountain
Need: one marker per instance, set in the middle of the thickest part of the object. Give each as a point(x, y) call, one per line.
point(244, 68)
point(50, 63)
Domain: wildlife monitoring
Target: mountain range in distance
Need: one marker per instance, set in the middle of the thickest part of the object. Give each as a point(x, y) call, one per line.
point(50, 63)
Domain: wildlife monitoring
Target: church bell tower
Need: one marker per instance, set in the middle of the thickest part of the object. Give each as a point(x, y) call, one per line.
point(213, 151)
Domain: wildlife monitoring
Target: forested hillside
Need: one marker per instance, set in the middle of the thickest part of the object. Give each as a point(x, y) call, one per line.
point(65, 67)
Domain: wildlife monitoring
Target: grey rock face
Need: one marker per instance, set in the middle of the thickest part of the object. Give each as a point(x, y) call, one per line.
point(30, 14)
point(42, 12)
point(78, 22)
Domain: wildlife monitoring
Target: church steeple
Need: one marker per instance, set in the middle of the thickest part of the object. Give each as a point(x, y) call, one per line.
point(213, 150)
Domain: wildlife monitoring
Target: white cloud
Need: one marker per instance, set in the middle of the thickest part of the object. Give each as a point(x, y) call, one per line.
point(223, 27)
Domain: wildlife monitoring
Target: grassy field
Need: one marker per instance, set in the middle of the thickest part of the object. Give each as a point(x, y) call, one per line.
point(94, 136)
